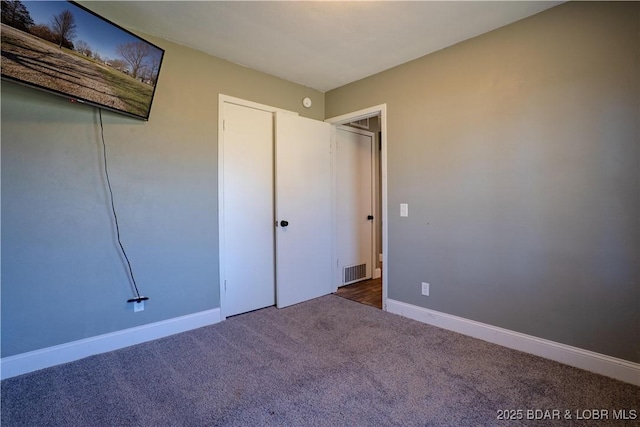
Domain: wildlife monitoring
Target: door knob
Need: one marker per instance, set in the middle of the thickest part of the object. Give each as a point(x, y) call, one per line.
point(369, 217)
point(284, 223)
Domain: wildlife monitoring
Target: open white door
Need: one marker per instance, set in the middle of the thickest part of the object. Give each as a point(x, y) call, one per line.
point(354, 204)
point(303, 209)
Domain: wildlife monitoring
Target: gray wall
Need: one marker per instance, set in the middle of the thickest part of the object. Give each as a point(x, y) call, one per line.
point(518, 153)
point(62, 276)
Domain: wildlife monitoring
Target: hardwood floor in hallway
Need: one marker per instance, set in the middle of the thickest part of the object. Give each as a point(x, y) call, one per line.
point(367, 292)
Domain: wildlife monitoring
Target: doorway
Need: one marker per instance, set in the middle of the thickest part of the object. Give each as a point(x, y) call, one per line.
point(356, 197)
point(374, 289)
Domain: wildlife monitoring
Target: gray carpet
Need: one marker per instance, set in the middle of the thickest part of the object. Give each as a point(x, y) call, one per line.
point(326, 362)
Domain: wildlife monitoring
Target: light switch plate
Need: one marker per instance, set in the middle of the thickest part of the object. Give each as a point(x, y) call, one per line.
point(425, 289)
point(404, 209)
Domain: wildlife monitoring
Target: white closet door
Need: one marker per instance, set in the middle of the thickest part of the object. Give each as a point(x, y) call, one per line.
point(303, 209)
point(248, 209)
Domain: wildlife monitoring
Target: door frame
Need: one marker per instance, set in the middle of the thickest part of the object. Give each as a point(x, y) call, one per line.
point(222, 99)
point(374, 199)
point(377, 110)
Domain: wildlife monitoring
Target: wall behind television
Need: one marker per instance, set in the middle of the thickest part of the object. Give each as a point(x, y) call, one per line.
point(62, 276)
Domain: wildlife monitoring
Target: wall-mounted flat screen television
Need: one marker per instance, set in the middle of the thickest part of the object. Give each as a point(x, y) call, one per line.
point(63, 48)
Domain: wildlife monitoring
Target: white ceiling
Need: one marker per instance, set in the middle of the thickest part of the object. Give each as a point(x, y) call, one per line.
point(319, 44)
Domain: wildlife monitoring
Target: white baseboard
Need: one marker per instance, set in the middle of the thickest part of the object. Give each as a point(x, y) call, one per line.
point(68, 352)
point(377, 273)
point(613, 367)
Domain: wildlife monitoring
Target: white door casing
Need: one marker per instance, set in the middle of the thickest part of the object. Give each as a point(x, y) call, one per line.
point(304, 200)
point(354, 161)
point(380, 110)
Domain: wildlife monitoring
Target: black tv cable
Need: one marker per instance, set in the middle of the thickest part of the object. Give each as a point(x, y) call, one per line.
point(138, 297)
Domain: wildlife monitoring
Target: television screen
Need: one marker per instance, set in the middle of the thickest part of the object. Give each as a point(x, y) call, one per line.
point(66, 49)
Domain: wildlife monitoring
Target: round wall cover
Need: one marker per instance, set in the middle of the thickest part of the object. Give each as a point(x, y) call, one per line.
point(306, 102)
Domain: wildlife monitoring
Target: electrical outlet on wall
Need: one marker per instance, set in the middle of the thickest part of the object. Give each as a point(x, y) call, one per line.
point(425, 289)
point(138, 306)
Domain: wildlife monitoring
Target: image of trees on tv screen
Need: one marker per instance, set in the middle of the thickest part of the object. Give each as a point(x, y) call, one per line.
point(59, 46)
